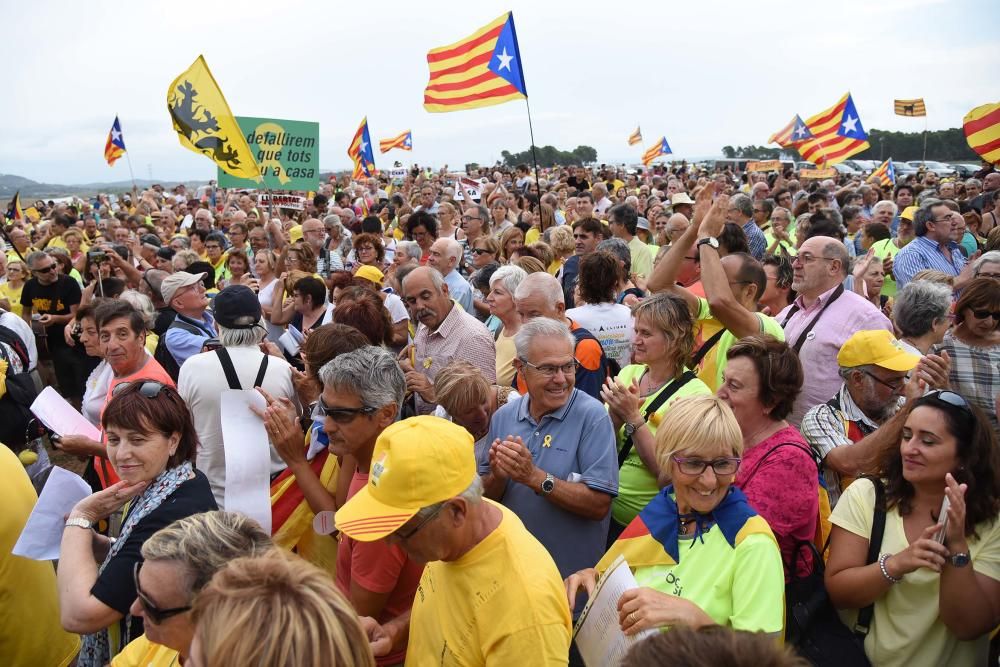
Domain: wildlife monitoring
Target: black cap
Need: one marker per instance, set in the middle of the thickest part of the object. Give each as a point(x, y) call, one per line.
point(151, 239)
point(166, 252)
point(237, 307)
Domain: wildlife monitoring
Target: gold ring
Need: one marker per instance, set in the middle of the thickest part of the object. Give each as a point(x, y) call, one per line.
point(631, 618)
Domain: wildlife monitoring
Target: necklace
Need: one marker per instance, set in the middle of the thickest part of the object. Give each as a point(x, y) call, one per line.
point(650, 392)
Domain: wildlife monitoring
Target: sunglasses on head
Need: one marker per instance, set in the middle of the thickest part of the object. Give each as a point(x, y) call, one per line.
point(150, 610)
point(951, 398)
point(148, 388)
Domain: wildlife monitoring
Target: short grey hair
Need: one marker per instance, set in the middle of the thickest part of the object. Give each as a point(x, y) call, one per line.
point(543, 284)
point(473, 494)
point(436, 279)
point(409, 248)
point(453, 248)
point(142, 304)
point(974, 182)
point(885, 203)
point(618, 248)
point(541, 326)
point(251, 337)
point(991, 257)
point(511, 275)
point(743, 204)
point(919, 305)
point(371, 373)
point(33, 257)
point(837, 250)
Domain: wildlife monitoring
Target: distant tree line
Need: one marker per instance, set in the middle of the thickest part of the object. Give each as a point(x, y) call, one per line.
point(550, 156)
point(946, 145)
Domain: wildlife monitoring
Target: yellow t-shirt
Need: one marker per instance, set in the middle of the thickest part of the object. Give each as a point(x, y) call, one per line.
point(143, 653)
point(906, 629)
point(532, 236)
point(502, 603)
point(883, 249)
point(505, 359)
point(30, 633)
point(8, 292)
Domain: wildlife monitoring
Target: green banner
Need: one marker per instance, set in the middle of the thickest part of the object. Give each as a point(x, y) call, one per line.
point(287, 152)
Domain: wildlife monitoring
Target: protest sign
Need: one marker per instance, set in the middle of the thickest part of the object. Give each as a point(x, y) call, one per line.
point(286, 150)
point(294, 202)
point(764, 165)
point(474, 188)
point(829, 172)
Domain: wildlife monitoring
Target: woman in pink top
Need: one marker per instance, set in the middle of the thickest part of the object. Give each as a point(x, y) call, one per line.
point(778, 474)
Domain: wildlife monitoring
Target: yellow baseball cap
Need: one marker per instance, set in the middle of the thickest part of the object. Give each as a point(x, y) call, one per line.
point(877, 348)
point(370, 273)
point(295, 234)
point(909, 212)
point(416, 463)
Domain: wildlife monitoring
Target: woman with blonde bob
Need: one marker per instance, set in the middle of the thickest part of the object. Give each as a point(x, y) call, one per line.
point(700, 553)
point(467, 398)
point(277, 610)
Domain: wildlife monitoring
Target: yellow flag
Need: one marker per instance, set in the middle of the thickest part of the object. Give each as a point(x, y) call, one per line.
point(204, 123)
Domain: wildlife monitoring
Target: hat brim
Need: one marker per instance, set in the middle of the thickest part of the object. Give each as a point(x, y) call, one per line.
point(899, 362)
point(366, 519)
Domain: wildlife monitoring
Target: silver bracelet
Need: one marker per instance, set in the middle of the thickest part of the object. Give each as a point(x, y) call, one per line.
point(885, 573)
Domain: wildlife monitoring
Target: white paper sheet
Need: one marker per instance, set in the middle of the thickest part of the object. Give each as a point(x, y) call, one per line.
point(287, 341)
point(42, 534)
point(60, 417)
point(248, 456)
point(598, 633)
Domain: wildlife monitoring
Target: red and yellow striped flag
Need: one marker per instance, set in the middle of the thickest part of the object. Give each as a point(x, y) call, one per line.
point(403, 142)
point(837, 134)
point(661, 147)
point(635, 137)
point(481, 70)
point(982, 131)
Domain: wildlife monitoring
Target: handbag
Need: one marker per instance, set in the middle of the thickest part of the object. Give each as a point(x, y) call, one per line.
point(812, 625)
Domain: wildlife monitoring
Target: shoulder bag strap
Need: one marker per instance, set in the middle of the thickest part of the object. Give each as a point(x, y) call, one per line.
point(259, 381)
point(228, 368)
point(796, 445)
point(655, 405)
point(706, 347)
point(809, 327)
point(863, 624)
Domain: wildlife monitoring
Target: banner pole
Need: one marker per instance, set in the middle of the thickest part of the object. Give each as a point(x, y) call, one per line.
point(534, 159)
point(924, 158)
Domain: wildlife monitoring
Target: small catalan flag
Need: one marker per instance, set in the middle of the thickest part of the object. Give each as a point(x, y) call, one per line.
point(635, 137)
point(792, 134)
point(885, 174)
point(910, 107)
point(403, 142)
point(114, 147)
point(661, 147)
point(360, 151)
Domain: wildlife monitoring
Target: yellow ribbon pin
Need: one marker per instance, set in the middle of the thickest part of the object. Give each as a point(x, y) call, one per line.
point(547, 441)
point(427, 362)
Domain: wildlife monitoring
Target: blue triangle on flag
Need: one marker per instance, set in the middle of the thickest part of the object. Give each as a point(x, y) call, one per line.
point(801, 131)
point(506, 60)
point(665, 147)
point(850, 123)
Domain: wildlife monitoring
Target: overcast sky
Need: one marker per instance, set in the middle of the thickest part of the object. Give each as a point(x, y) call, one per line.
point(703, 73)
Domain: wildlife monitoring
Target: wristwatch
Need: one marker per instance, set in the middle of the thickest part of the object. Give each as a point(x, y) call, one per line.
point(631, 428)
point(548, 484)
point(79, 522)
point(709, 241)
point(961, 559)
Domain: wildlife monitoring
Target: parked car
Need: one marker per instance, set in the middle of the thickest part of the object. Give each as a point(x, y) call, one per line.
point(965, 169)
point(903, 169)
point(864, 166)
point(846, 170)
point(799, 166)
point(939, 168)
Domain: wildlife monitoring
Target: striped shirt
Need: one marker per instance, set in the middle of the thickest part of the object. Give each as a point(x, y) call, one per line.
point(975, 373)
point(755, 239)
point(923, 253)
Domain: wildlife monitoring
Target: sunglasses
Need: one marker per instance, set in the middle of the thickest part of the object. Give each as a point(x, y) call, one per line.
point(481, 251)
point(983, 314)
point(344, 415)
point(47, 269)
point(416, 529)
point(951, 398)
point(148, 388)
point(150, 610)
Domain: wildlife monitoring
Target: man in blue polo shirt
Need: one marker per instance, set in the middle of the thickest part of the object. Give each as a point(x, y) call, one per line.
point(933, 247)
point(552, 460)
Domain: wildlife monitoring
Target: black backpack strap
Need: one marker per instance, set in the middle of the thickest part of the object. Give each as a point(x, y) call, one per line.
point(706, 347)
point(229, 369)
point(809, 327)
point(863, 624)
point(259, 381)
point(655, 405)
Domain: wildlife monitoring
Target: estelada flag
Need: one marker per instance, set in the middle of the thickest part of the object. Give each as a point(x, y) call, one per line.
point(837, 134)
point(360, 151)
point(481, 70)
point(14, 211)
point(885, 174)
point(403, 141)
point(910, 107)
point(661, 147)
point(114, 147)
point(982, 131)
point(792, 134)
point(635, 137)
point(204, 123)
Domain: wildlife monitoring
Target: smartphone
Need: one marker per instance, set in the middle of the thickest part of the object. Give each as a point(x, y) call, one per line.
point(211, 345)
point(942, 521)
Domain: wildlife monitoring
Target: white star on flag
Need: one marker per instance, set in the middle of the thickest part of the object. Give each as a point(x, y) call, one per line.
point(362, 147)
point(800, 131)
point(850, 125)
point(504, 60)
point(116, 135)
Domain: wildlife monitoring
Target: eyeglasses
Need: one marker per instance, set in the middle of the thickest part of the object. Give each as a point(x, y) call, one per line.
point(983, 314)
point(467, 218)
point(45, 269)
point(808, 257)
point(481, 251)
point(981, 274)
point(550, 371)
point(895, 385)
point(344, 415)
point(416, 529)
point(694, 467)
point(148, 388)
point(150, 610)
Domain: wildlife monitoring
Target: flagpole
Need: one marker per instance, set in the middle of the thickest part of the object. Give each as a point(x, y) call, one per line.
point(130, 173)
point(924, 157)
point(534, 159)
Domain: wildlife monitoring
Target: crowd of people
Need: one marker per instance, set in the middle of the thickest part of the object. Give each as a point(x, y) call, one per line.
point(743, 384)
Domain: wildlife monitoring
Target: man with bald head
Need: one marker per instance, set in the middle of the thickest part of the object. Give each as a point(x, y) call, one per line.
point(314, 233)
point(822, 318)
point(444, 256)
point(444, 333)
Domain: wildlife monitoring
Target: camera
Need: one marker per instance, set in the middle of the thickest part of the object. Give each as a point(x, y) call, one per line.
point(97, 256)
